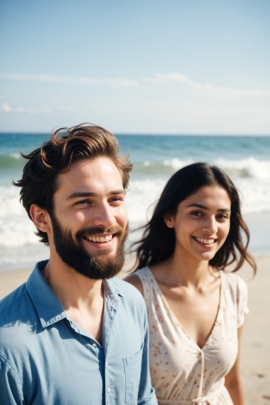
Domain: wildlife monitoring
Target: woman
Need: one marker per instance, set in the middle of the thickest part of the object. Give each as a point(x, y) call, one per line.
point(196, 310)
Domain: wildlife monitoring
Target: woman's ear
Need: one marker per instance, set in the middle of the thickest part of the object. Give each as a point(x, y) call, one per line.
point(169, 220)
point(40, 218)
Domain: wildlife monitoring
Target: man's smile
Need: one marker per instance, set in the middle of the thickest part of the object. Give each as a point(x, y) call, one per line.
point(99, 239)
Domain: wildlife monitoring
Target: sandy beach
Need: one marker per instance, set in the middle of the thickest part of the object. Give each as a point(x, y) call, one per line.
point(255, 363)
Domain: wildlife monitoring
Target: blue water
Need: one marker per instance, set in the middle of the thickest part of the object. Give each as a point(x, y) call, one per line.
point(155, 158)
point(204, 148)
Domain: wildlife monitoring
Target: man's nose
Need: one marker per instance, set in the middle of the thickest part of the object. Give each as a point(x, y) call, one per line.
point(104, 216)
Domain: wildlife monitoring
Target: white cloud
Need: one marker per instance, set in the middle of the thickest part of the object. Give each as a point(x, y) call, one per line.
point(165, 78)
point(165, 103)
point(5, 107)
point(85, 81)
point(157, 79)
point(20, 109)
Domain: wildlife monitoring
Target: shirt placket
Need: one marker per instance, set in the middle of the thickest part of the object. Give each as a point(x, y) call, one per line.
point(111, 304)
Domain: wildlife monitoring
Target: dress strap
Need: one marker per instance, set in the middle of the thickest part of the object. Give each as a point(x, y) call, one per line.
point(145, 277)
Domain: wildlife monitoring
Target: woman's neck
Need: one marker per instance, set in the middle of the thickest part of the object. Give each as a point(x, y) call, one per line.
point(183, 270)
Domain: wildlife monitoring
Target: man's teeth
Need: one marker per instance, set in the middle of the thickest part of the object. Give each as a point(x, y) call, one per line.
point(100, 238)
point(205, 241)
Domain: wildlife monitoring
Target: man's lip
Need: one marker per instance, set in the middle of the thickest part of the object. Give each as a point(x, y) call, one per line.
point(99, 238)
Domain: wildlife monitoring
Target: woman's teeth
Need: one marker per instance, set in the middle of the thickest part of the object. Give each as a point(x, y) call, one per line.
point(205, 241)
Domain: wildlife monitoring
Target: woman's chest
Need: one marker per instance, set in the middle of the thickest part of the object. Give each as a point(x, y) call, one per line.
point(174, 352)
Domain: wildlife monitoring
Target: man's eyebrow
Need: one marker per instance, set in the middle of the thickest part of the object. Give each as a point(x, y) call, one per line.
point(197, 205)
point(85, 194)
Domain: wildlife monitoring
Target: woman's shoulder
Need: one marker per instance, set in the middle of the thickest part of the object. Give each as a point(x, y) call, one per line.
point(234, 282)
point(236, 293)
point(138, 278)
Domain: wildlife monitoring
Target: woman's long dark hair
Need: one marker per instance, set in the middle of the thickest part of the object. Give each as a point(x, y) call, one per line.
point(158, 241)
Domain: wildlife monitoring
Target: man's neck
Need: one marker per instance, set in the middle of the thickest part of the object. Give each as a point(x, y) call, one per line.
point(81, 297)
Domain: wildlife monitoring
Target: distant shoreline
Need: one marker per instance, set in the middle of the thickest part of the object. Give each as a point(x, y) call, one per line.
point(142, 134)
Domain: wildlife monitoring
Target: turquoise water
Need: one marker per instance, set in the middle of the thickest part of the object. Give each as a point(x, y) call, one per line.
point(155, 159)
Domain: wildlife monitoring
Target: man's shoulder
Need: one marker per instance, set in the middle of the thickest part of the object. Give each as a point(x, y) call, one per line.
point(132, 305)
point(13, 300)
point(15, 318)
point(130, 294)
point(126, 288)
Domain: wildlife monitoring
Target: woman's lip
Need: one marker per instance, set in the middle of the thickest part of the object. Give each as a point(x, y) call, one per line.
point(205, 241)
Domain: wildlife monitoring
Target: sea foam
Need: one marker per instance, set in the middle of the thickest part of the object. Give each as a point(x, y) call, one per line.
point(250, 167)
point(251, 177)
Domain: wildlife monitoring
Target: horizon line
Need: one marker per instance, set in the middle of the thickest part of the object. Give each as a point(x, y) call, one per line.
point(137, 134)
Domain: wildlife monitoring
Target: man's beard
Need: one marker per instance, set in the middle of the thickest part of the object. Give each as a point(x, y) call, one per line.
point(75, 255)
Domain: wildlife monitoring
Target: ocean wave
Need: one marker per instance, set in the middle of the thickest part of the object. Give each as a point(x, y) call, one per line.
point(17, 230)
point(250, 167)
point(142, 195)
point(244, 168)
point(15, 155)
point(13, 161)
point(177, 164)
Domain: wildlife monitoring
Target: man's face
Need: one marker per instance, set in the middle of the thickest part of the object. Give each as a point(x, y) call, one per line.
point(89, 220)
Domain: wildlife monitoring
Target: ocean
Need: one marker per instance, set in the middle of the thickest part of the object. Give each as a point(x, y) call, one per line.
point(246, 159)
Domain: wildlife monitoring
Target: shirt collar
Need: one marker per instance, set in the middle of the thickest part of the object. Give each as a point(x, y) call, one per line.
point(111, 289)
point(49, 308)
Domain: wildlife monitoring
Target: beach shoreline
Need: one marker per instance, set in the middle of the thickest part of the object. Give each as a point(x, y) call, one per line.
point(255, 356)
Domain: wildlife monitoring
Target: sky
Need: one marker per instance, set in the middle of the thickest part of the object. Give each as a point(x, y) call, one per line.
point(141, 67)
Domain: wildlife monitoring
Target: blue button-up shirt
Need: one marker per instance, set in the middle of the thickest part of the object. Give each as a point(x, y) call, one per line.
point(47, 359)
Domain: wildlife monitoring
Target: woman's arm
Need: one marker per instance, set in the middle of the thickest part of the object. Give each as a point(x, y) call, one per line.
point(233, 381)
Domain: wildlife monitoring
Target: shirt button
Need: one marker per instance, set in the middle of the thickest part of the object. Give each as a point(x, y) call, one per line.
point(94, 344)
point(108, 389)
point(106, 364)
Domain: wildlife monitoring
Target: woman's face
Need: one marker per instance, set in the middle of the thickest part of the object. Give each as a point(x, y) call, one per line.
point(201, 223)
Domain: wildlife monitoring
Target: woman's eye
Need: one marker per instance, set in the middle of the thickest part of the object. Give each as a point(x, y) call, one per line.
point(197, 213)
point(223, 216)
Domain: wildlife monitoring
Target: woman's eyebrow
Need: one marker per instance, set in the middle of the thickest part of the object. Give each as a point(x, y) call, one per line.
point(197, 205)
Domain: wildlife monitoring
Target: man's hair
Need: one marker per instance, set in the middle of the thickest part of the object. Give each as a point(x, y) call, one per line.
point(66, 146)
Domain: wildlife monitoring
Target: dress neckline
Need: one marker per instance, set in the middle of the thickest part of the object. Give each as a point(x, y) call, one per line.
point(172, 315)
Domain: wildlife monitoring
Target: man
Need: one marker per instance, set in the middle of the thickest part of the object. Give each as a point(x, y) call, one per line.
point(73, 334)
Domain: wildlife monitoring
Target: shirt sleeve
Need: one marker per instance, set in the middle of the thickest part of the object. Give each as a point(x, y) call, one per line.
point(147, 395)
point(242, 301)
point(10, 386)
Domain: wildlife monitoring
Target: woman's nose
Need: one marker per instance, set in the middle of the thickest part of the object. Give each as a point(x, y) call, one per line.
point(210, 225)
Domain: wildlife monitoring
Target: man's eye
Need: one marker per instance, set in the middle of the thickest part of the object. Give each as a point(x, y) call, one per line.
point(83, 202)
point(116, 199)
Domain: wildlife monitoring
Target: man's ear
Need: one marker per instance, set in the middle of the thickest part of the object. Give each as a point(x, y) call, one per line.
point(169, 220)
point(40, 218)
